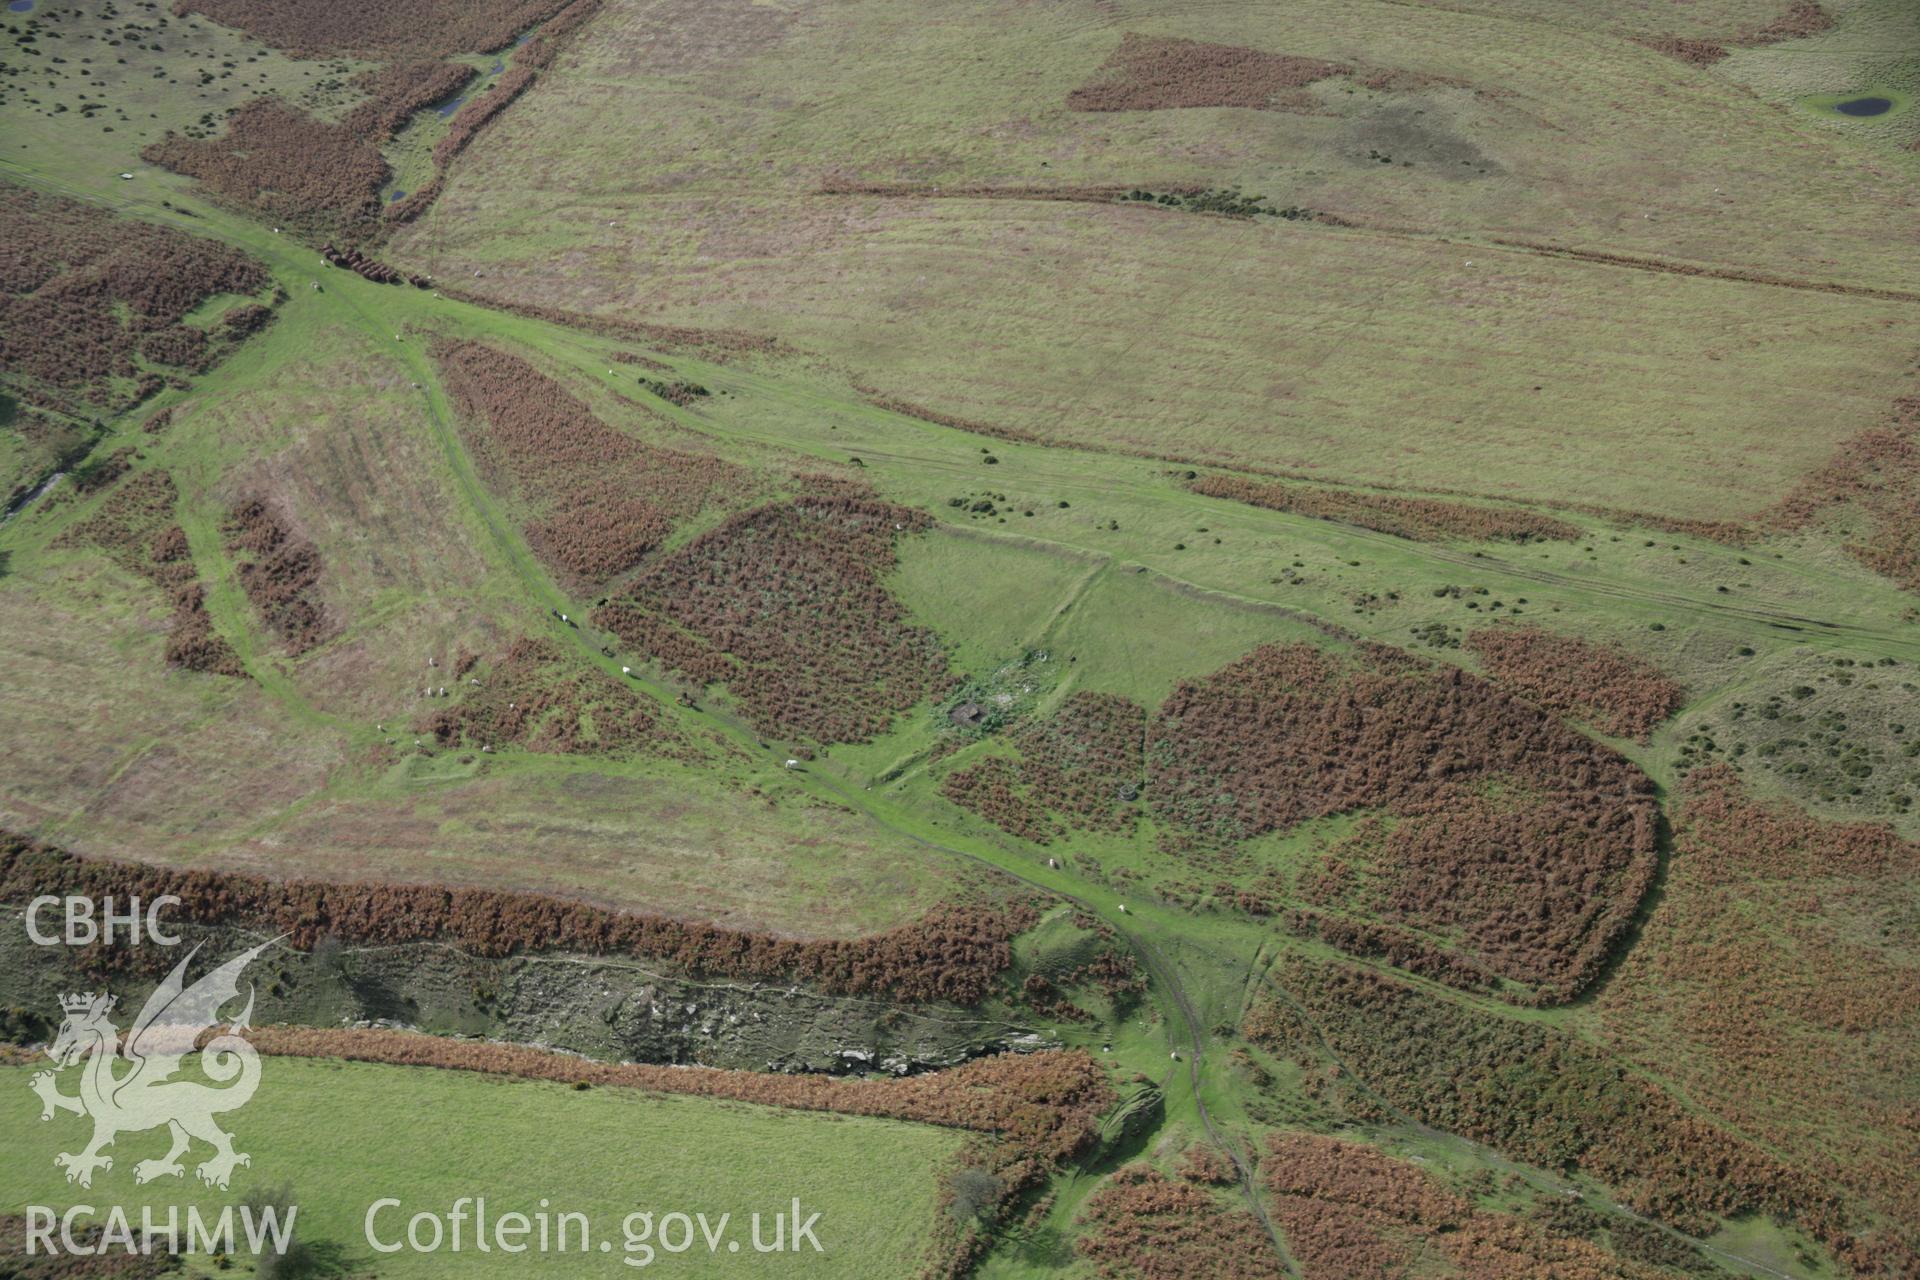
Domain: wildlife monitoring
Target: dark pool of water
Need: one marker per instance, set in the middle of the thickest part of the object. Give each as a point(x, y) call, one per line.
point(19, 6)
point(397, 196)
point(448, 108)
point(498, 67)
point(1864, 106)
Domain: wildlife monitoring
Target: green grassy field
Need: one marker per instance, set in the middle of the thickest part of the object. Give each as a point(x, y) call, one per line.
point(342, 1136)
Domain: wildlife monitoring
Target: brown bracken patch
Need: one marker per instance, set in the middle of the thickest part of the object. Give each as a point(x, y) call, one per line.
point(1080, 768)
point(534, 697)
point(1350, 1210)
point(1541, 1095)
point(98, 1258)
point(82, 292)
point(1701, 53)
point(379, 29)
point(1779, 966)
point(280, 572)
point(907, 408)
point(278, 162)
point(1419, 519)
point(1525, 842)
point(714, 344)
point(1155, 73)
point(1877, 475)
point(787, 606)
point(135, 528)
point(955, 952)
point(1143, 1225)
point(1604, 685)
point(597, 499)
point(1803, 18)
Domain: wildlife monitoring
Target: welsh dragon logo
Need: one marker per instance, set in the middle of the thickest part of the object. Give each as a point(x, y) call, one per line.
point(128, 1087)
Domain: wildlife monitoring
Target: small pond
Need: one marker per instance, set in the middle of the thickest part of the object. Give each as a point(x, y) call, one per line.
point(1868, 106)
point(19, 6)
point(1869, 102)
point(397, 196)
point(449, 107)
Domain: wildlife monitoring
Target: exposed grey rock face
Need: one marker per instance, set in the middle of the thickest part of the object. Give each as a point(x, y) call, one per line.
point(601, 1007)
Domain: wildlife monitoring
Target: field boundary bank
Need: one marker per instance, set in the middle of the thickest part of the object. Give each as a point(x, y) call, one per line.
point(1734, 275)
point(953, 953)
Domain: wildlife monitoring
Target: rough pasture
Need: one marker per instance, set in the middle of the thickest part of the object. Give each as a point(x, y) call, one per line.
point(1776, 985)
point(1421, 519)
point(1606, 686)
point(1158, 73)
point(787, 606)
point(955, 952)
point(135, 528)
point(1143, 1225)
point(1350, 1210)
point(88, 301)
point(280, 571)
point(1080, 768)
point(1541, 1095)
point(1528, 843)
point(597, 499)
point(380, 29)
point(537, 698)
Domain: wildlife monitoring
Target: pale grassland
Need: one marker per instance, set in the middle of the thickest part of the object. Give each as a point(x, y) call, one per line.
point(1413, 352)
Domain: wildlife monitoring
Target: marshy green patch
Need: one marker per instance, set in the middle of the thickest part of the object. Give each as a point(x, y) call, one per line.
point(1860, 104)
